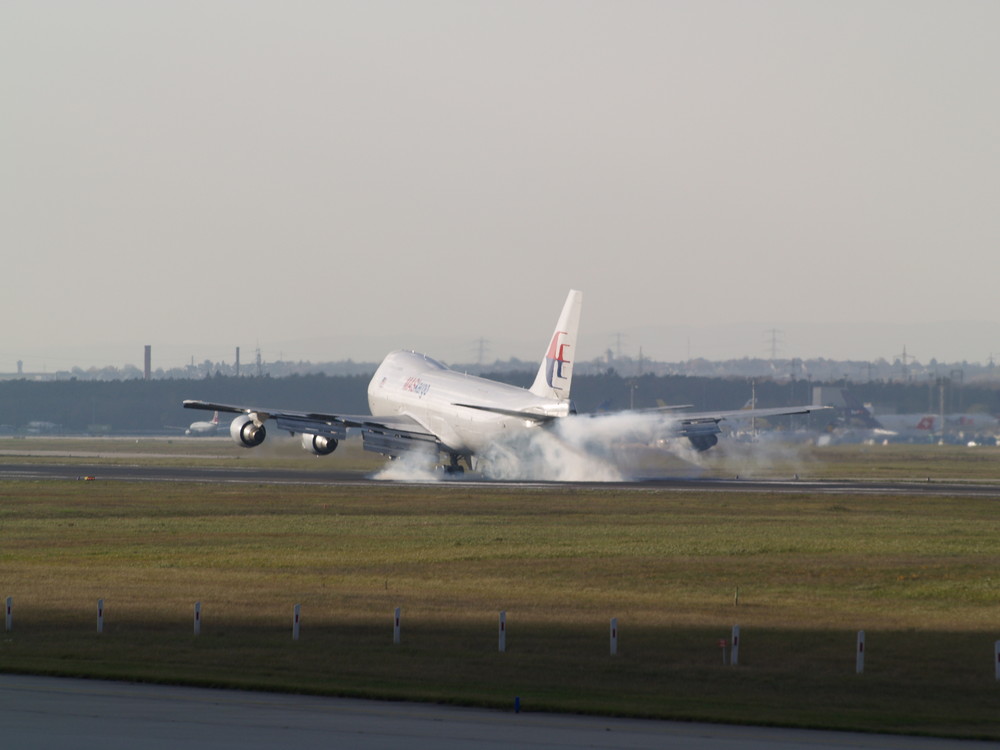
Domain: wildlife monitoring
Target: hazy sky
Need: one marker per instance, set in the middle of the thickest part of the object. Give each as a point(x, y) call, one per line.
point(328, 179)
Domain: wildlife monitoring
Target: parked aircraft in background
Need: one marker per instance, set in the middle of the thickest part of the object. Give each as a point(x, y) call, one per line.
point(418, 403)
point(199, 429)
point(976, 424)
point(913, 425)
point(928, 427)
point(855, 423)
point(204, 429)
point(856, 414)
point(918, 427)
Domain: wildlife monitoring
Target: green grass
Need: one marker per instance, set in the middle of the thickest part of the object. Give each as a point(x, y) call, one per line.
point(918, 573)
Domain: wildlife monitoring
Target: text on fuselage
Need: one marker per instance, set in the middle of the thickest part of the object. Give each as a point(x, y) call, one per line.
point(417, 386)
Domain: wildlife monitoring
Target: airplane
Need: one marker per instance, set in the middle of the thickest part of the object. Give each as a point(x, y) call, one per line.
point(41, 427)
point(972, 423)
point(926, 427)
point(417, 403)
point(922, 427)
point(199, 429)
point(857, 414)
point(203, 429)
point(855, 424)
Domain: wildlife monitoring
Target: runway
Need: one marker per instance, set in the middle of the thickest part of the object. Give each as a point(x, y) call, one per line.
point(244, 475)
point(49, 712)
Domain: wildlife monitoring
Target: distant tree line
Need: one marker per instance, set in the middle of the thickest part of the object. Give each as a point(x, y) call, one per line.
point(155, 406)
point(138, 406)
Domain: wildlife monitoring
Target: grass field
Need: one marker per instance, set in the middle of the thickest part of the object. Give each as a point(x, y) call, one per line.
point(918, 573)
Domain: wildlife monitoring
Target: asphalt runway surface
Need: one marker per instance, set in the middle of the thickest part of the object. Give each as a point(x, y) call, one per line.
point(51, 712)
point(150, 473)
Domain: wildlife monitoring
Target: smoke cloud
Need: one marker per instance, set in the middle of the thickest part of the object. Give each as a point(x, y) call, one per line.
point(608, 448)
point(575, 449)
point(769, 454)
point(413, 466)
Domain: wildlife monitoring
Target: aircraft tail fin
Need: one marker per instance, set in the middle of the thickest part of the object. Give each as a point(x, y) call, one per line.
point(857, 412)
point(555, 374)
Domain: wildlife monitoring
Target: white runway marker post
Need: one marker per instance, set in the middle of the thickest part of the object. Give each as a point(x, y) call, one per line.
point(503, 632)
point(197, 618)
point(859, 665)
point(100, 615)
point(395, 628)
point(614, 636)
point(295, 621)
point(734, 653)
point(9, 621)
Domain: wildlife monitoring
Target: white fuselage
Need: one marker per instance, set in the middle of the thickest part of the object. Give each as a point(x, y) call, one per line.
point(928, 424)
point(414, 385)
point(202, 428)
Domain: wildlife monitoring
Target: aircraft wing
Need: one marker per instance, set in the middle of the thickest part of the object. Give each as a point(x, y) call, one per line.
point(390, 436)
point(719, 416)
point(702, 428)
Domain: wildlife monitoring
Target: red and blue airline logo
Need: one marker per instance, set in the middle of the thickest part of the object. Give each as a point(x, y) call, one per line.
point(555, 359)
point(417, 386)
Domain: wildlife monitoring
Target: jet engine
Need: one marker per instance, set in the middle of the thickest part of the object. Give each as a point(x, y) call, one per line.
point(246, 433)
point(702, 443)
point(703, 435)
point(319, 445)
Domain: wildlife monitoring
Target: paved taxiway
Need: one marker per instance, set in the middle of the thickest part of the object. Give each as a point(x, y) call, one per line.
point(150, 473)
point(49, 712)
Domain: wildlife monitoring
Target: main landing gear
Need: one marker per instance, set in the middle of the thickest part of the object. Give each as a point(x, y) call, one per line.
point(453, 469)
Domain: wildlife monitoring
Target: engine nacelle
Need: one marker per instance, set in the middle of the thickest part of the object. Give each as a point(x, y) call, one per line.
point(319, 445)
point(702, 443)
point(246, 433)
